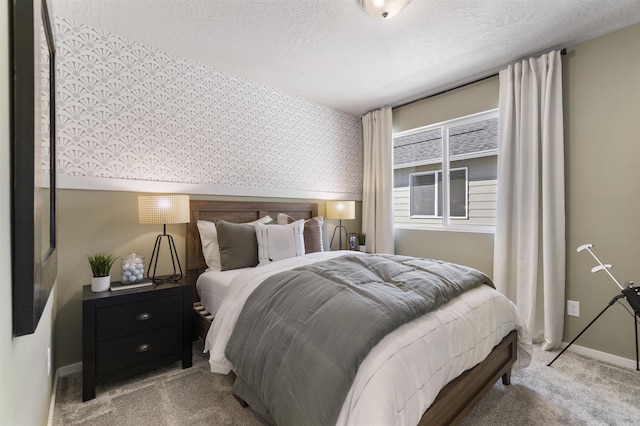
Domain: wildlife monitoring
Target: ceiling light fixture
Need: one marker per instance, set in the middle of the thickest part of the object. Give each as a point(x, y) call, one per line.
point(383, 8)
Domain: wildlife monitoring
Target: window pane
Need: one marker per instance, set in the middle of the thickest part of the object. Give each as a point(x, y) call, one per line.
point(458, 193)
point(423, 190)
point(401, 177)
point(440, 202)
point(473, 138)
point(424, 147)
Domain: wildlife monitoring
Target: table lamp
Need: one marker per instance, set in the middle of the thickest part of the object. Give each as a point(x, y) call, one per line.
point(340, 210)
point(163, 210)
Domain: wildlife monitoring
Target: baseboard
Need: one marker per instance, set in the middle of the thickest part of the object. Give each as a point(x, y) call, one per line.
point(60, 372)
point(602, 356)
point(52, 403)
point(67, 370)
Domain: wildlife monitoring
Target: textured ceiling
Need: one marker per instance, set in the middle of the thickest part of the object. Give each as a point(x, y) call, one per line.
point(334, 53)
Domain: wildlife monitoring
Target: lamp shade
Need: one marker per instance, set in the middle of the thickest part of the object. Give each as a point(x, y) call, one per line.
point(341, 210)
point(163, 209)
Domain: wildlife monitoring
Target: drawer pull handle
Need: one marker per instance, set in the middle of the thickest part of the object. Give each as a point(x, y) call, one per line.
point(143, 317)
point(143, 348)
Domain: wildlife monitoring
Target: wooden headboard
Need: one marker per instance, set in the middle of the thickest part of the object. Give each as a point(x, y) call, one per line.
point(233, 211)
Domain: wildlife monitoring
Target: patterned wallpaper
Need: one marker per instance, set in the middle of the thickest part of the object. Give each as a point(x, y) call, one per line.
point(128, 111)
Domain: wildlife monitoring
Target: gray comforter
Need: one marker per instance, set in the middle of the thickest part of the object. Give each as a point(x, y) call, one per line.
point(303, 333)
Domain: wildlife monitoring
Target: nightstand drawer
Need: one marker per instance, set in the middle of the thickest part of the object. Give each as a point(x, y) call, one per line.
point(120, 320)
point(137, 348)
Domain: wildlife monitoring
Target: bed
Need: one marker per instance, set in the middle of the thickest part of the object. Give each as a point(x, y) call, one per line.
point(454, 398)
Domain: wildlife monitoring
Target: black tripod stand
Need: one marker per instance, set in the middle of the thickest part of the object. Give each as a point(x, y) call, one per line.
point(630, 289)
point(632, 294)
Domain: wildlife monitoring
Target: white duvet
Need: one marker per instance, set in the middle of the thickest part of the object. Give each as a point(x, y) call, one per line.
point(404, 372)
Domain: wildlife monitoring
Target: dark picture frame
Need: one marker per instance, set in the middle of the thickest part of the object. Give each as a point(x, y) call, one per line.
point(353, 241)
point(33, 162)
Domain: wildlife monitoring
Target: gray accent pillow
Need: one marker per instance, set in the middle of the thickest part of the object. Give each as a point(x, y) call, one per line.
point(326, 246)
point(209, 239)
point(238, 245)
point(313, 234)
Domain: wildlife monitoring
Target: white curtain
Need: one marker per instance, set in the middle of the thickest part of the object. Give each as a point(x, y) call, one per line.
point(529, 257)
point(377, 186)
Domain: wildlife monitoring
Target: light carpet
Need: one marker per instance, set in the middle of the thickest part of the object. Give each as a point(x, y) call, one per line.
point(575, 391)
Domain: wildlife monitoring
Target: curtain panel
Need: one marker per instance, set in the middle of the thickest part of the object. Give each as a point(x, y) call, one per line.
point(529, 258)
point(377, 185)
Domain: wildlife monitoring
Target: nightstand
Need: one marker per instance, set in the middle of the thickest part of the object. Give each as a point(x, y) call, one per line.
point(127, 332)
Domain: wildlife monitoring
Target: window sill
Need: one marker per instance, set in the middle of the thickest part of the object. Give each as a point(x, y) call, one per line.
point(450, 228)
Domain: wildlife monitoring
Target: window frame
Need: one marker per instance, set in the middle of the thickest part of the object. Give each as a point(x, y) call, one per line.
point(447, 224)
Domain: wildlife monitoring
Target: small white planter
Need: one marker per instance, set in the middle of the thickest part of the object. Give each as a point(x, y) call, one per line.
point(100, 283)
point(363, 248)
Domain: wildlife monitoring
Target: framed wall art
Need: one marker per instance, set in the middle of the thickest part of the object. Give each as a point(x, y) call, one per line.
point(33, 165)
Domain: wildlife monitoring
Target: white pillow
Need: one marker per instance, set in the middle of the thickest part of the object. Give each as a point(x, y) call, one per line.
point(210, 246)
point(277, 242)
point(314, 229)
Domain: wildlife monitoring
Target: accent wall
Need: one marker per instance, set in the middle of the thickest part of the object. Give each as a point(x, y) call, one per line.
point(130, 112)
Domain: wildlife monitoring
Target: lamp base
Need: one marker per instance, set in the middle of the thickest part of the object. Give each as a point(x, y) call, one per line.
point(177, 273)
point(339, 229)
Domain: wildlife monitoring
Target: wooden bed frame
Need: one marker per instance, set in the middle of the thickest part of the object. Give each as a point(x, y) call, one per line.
point(454, 401)
point(232, 211)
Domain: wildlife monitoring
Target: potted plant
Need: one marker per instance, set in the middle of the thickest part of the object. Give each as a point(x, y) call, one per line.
point(362, 243)
point(101, 264)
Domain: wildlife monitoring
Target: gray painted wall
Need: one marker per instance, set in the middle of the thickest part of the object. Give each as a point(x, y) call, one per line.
point(602, 134)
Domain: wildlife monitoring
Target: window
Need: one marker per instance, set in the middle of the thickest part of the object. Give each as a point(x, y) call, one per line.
point(445, 175)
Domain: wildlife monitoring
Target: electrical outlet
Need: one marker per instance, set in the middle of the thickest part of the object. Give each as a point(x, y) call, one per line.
point(573, 308)
point(48, 361)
